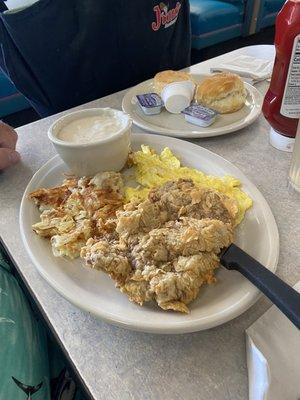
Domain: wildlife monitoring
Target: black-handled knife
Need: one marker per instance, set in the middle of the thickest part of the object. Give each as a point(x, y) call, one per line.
point(281, 294)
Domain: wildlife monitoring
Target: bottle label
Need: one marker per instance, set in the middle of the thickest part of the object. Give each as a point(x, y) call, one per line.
point(290, 106)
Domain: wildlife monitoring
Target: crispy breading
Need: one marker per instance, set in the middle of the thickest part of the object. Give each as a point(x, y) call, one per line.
point(166, 247)
point(173, 200)
point(169, 264)
point(185, 237)
point(108, 255)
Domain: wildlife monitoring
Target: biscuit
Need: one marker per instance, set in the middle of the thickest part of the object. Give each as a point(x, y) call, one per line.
point(223, 92)
point(163, 78)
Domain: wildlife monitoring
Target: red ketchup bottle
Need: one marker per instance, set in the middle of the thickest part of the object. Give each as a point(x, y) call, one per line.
point(281, 105)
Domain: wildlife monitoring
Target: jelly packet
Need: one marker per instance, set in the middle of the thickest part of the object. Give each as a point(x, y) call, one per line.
point(150, 103)
point(199, 115)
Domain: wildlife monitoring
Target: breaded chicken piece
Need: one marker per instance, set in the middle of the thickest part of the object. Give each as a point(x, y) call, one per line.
point(169, 244)
point(174, 200)
point(174, 290)
point(168, 264)
point(108, 255)
point(185, 237)
point(179, 259)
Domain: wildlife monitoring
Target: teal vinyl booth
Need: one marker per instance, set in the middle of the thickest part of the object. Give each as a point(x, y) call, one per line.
point(11, 100)
point(267, 12)
point(215, 21)
point(262, 15)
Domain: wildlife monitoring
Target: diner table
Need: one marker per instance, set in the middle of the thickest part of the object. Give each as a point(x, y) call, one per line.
point(114, 363)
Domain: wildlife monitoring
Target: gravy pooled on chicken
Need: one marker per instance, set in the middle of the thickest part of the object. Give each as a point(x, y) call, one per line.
point(167, 246)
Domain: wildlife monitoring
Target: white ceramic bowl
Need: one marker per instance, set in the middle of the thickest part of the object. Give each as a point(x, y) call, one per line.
point(84, 159)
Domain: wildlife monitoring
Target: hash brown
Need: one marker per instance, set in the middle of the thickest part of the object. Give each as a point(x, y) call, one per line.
point(77, 210)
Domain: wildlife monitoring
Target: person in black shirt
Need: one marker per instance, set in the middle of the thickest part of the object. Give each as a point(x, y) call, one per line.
point(63, 53)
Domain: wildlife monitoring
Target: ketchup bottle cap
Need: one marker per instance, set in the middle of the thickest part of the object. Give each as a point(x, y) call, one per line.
point(280, 141)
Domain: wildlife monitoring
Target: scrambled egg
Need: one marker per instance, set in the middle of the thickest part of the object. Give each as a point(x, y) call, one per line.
point(153, 170)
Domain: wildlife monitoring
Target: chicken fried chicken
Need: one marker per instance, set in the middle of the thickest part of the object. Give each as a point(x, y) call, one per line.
point(166, 247)
point(173, 200)
point(176, 261)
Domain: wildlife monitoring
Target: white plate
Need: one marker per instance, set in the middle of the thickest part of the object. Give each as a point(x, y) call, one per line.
point(175, 124)
point(94, 291)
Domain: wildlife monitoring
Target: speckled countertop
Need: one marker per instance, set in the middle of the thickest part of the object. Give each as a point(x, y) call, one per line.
point(118, 364)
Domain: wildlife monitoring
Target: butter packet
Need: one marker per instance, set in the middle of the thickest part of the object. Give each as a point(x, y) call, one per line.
point(199, 115)
point(150, 103)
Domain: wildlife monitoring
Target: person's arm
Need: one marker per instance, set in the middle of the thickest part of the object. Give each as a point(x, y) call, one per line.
point(8, 141)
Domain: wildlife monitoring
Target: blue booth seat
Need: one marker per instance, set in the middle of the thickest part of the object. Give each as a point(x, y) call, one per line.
point(262, 14)
point(11, 100)
point(268, 12)
point(214, 21)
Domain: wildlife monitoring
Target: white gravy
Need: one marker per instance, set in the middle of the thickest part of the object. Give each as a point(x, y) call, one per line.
point(90, 129)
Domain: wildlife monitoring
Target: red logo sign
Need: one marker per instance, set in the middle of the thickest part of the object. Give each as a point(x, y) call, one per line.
point(164, 16)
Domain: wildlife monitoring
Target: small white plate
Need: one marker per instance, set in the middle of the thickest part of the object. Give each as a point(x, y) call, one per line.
point(175, 125)
point(94, 291)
